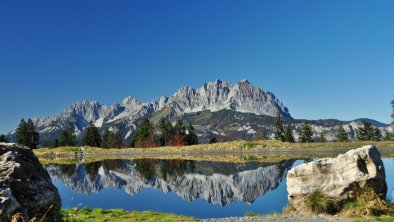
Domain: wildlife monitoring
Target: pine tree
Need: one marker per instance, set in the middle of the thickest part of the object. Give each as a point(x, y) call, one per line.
point(180, 133)
point(21, 133)
point(322, 137)
point(213, 140)
point(26, 134)
point(33, 135)
point(387, 136)
point(55, 143)
point(3, 139)
point(366, 132)
point(392, 115)
point(289, 134)
point(144, 134)
point(191, 137)
point(341, 134)
point(261, 134)
point(377, 135)
point(112, 140)
point(306, 133)
point(67, 138)
point(279, 132)
point(92, 136)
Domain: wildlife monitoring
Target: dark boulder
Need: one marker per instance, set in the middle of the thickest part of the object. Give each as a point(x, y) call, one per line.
point(26, 188)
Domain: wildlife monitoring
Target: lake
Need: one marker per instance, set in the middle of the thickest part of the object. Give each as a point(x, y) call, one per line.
point(201, 189)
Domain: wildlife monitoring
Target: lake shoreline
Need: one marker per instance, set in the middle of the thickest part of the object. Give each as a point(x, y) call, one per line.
point(87, 214)
point(237, 151)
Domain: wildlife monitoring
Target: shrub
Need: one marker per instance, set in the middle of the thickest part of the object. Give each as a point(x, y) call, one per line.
point(369, 204)
point(321, 203)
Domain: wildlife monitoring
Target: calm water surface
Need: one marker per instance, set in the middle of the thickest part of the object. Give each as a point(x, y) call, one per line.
point(201, 189)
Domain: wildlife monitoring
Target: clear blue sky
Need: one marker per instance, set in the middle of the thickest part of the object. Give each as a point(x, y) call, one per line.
point(323, 59)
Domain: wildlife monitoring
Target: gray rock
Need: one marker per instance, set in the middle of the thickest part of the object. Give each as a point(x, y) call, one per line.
point(341, 178)
point(25, 187)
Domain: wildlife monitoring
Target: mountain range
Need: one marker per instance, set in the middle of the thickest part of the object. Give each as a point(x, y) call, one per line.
point(218, 109)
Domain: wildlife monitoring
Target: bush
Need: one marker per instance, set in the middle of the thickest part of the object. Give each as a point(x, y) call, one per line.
point(369, 204)
point(321, 203)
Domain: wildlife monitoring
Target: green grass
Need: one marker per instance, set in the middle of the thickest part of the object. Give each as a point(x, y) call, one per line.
point(320, 203)
point(118, 215)
point(250, 145)
point(251, 214)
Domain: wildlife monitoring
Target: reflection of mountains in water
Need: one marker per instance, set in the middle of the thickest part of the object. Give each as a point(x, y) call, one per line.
point(217, 182)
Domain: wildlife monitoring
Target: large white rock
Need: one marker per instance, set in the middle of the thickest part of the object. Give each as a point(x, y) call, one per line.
point(341, 178)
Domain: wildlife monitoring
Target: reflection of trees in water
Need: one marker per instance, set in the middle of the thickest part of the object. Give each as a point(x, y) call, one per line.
point(67, 169)
point(114, 165)
point(166, 168)
point(92, 169)
point(146, 167)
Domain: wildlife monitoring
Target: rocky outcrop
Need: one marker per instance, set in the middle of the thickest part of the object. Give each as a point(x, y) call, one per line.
point(25, 186)
point(340, 178)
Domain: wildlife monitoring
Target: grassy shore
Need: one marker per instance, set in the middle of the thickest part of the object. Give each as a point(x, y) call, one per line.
point(118, 215)
point(236, 151)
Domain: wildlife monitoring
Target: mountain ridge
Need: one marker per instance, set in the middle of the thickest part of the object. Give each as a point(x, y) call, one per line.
point(240, 99)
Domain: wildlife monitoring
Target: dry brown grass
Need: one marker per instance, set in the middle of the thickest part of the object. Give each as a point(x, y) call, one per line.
point(369, 204)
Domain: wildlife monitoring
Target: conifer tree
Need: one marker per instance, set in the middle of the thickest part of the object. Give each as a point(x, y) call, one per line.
point(166, 131)
point(55, 143)
point(366, 132)
point(213, 140)
point(261, 134)
point(306, 133)
point(67, 138)
point(191, 137)
point(377, 135)
point(322, 137)
point(278, 128)
point(341, 134)
point(112, 140)
point(144, 134)
point(387, 136)
point(33, 135)
point(180, 133)
point(26, 134)
point(3, 139)
point(289, 134)
point(392, 115)
point(92, 136)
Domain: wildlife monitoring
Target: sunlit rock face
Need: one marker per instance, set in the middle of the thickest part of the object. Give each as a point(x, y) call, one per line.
point(342, 178)
point(241, 97)
point(190, 180)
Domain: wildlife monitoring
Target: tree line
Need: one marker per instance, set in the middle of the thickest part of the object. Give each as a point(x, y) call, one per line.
point(284, 133)
point(179, 135)
point(169, 134)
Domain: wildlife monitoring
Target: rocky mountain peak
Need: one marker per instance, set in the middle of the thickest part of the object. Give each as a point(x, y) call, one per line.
point(212, 96)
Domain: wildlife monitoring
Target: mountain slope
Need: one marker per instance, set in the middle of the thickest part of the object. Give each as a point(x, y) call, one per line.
point(217, 109)
point(214, 96)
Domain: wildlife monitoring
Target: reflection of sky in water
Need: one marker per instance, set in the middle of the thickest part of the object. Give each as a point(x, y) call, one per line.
point(151, 199)
point(389, 167)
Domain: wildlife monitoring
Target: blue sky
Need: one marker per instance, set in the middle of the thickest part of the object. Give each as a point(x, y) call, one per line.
point(323, 59)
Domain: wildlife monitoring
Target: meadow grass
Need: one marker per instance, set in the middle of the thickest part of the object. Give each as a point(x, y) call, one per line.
point(118, 215)
point(224, 146)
